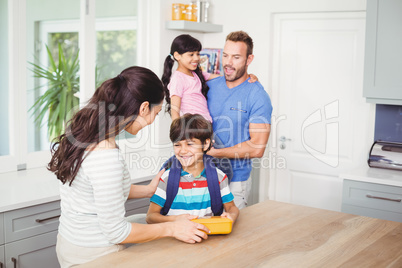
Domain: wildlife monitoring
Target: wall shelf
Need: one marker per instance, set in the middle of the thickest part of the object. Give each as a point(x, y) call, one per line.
point(184, 25)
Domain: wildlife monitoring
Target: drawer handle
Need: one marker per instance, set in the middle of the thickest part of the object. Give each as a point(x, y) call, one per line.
point(383, 198)
point(46, 219)
point(14, 260)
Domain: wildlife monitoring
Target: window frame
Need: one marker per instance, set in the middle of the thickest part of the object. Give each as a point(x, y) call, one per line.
point(19, 158)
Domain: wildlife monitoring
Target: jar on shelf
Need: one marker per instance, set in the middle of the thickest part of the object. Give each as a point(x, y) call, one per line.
point(178, 11)
point(202, 10)
point(191, 12)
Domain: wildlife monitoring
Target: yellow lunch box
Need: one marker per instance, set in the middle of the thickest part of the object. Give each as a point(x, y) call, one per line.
point(216, 224)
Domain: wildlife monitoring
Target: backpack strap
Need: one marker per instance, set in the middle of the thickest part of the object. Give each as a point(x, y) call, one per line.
point(213, 185)
point(212, 180)
point(172, 185)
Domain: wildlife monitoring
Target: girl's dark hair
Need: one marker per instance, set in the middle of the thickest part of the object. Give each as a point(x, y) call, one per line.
point(181, 44)
point(113, 107)
point(191, 126)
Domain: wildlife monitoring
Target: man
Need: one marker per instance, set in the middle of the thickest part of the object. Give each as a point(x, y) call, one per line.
point(241, 113)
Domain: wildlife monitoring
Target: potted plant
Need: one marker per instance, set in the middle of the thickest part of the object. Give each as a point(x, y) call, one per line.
point(59, 102)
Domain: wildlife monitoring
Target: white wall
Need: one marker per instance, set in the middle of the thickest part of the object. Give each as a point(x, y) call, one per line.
point(253, 17)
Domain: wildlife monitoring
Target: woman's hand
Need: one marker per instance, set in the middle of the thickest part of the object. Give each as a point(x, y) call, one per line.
point(253, 78)
point(154, 183)
point(189, 232)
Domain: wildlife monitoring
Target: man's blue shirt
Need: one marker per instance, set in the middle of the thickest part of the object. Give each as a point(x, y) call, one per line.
point(232, 110)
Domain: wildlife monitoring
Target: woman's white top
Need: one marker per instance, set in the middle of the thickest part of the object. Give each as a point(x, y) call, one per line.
point(92, 208)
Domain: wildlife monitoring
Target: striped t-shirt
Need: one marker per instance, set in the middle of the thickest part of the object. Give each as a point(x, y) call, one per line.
point(92, 209)
point(193, 195)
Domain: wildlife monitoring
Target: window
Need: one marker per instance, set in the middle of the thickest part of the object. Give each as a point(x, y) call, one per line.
point(4, 93)
point(34, 24)
point(115, 51)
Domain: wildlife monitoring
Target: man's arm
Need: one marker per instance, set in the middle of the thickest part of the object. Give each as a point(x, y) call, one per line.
point(252, 148)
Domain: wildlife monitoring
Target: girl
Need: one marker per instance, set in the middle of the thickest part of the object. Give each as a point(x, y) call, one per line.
point(95, 182)
point(186, 89)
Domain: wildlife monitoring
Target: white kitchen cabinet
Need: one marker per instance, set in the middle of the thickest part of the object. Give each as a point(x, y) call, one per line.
point(383, 52)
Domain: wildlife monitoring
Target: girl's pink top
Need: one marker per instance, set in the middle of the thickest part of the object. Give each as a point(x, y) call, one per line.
point(189, 90)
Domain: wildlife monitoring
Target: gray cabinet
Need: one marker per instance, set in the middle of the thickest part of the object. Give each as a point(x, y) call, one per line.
point(1, 229)
point(2, 259)
point(372, 200)
point(137, 206)
point(383, 52)
point(30, 236)
point(38, 251)
point(31, 221)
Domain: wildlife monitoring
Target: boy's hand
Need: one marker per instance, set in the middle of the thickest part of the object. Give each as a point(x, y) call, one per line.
point(253, 78)
point(185, 217)
point(227, 215)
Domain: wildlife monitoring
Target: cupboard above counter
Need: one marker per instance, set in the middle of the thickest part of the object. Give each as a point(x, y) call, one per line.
point(383, 52)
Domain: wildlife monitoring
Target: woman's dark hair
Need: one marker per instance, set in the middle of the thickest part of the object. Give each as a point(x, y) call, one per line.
point(113, 107)
point(191, 126)
point(181, 44)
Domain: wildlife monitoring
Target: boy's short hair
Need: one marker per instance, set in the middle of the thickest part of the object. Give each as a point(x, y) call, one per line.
point(241, 36)
point(190, 126)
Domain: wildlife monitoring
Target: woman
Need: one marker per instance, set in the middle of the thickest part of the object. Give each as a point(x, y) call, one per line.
point(95, 182)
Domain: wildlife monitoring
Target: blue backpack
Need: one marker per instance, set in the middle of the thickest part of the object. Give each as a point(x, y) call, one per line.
point(212, 180)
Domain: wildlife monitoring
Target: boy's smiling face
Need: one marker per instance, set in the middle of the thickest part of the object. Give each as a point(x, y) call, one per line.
point(190, 152)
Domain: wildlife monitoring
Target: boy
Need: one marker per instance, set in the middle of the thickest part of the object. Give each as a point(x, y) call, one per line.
point(191, 137)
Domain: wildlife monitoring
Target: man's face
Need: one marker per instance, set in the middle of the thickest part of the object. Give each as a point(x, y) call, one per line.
point(235, 60)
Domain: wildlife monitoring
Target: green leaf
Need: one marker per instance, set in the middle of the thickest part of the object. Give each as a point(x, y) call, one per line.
point(58, 102)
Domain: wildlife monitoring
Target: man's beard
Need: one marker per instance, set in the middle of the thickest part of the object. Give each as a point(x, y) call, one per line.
point(238, 73)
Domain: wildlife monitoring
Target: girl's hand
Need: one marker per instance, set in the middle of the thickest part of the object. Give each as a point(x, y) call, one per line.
point(154, 183)
point(253, 78)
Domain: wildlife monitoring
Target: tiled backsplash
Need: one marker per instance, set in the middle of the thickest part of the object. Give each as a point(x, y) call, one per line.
point(388, 123)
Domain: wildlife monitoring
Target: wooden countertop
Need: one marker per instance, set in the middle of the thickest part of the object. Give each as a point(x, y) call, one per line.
point(274, 234)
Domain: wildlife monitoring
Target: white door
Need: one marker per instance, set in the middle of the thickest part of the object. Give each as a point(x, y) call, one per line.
point(319, 110)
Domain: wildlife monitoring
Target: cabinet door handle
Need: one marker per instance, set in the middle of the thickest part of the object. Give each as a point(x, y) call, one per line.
point(14, 260)
point(383, 198)
point(46, 219)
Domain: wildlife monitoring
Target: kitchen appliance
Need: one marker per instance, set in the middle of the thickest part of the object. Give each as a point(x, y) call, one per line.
point(386, 155)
